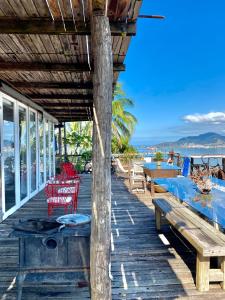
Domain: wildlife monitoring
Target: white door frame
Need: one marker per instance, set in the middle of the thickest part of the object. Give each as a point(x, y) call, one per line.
point(32, 194)
point(17, 205)
point(41, 186)
point(19, 104)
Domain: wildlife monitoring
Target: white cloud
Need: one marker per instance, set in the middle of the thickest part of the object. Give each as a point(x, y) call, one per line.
point(212, 117)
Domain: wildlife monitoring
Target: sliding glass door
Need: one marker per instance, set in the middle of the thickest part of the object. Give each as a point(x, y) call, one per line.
point(41, 150)
point(33, 150)
point(8, 154)
point(26, 153)
point(23, 139)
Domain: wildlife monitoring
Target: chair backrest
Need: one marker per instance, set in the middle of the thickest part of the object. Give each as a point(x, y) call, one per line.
point(55, 190)
point(186, 165)
point(119, 166)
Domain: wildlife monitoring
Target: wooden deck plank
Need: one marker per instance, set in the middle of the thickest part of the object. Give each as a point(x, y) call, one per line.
point(143, 267)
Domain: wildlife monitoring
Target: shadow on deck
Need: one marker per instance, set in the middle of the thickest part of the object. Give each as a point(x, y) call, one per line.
point(145, 265)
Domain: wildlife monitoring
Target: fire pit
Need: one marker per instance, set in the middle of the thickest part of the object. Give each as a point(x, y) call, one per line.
point(48, 246)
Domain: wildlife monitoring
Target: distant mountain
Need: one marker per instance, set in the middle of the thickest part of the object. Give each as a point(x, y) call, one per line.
point(206, 140)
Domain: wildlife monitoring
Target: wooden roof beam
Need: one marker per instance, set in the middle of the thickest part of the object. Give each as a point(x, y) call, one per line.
point(52, 85)
point(47, 67)
point(61, 96)
point(69, 113)
point(40, 26)
point(66, 105)
point(74, 119)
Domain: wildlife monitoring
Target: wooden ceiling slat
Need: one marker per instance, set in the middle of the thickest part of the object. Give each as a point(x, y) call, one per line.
point(42, 8)
point(18, 8)
point(30, 8)
point(54, 8)
point(7, 8)
point(118, 9)
point(52, 55)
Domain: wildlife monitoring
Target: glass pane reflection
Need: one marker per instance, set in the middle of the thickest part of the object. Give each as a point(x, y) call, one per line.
point(41, 149)
point(8, 152)
point(47, 148)
point(33, 162)
point(23, 152)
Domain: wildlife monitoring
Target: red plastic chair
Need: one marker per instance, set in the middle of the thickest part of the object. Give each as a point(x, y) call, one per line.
point(69, 171)
point(72, 190)
point(57, 198)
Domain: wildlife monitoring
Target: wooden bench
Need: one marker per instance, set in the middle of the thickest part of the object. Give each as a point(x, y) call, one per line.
point(207, 241)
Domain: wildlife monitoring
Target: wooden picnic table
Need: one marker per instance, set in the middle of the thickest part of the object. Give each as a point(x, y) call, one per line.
point(194, 226)
point(164, 170)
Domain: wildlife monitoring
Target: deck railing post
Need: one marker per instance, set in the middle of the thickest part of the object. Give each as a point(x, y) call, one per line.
point(101, 184)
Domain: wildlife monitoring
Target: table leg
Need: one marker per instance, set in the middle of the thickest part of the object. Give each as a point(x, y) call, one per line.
point(19, 283)
point(202, 273)
point(152, 188)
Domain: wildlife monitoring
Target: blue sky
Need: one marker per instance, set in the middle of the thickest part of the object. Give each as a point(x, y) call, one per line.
point(175, 70)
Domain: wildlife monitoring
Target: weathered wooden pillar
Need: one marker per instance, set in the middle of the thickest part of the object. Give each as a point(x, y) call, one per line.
point(101, 183)
point(64, 142)
point(60, 141)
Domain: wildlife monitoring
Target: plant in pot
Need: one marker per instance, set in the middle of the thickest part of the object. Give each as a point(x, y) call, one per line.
point(158, 158)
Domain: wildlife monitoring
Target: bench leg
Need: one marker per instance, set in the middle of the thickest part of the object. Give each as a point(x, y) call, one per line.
point(152, 188)
point(223, 270)
point(157, 218)
point(202, 273)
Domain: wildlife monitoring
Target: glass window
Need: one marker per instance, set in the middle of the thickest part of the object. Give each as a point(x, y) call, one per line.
point(33, 156)
point(41, 149)
point(51, 148)
point(23, 152)
point(8, 152)
point(47, 148)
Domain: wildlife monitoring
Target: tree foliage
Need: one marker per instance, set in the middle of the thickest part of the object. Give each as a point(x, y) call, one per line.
point(79, 135)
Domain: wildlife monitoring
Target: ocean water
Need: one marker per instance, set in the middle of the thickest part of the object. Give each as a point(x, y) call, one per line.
point(189, 152)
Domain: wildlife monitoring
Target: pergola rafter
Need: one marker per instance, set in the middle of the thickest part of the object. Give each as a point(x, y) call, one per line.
point(49, 50)
point(39, 26)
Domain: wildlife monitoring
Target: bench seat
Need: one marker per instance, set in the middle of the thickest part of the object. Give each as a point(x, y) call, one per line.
point(208, 241)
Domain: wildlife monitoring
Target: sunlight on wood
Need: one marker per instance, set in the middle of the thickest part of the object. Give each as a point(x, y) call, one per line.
point(125, 286)
point(131, 219)
point(98, 132)
point(112, 243)
point(164, 239)
point(135, 279)
point(114, 217)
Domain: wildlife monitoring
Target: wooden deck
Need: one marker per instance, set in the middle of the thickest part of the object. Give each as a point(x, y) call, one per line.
point(145, 265)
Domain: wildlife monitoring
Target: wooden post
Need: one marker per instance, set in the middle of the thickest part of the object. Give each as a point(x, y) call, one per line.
point(60, 142)
point(101, 182)
point(223, 270)
point(65, 145)
point(192, 165)
point(223, 164)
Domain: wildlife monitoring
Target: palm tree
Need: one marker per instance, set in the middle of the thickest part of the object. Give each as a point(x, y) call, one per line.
point(123, 122)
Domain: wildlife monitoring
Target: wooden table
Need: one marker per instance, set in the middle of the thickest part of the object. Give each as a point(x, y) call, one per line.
point(164, 170)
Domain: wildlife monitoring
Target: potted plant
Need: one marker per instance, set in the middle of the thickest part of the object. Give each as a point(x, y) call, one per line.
point(158, 158)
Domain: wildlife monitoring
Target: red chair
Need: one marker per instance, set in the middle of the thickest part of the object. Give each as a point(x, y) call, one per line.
point(69, 171)
point(56, 197)
point(72, 190)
